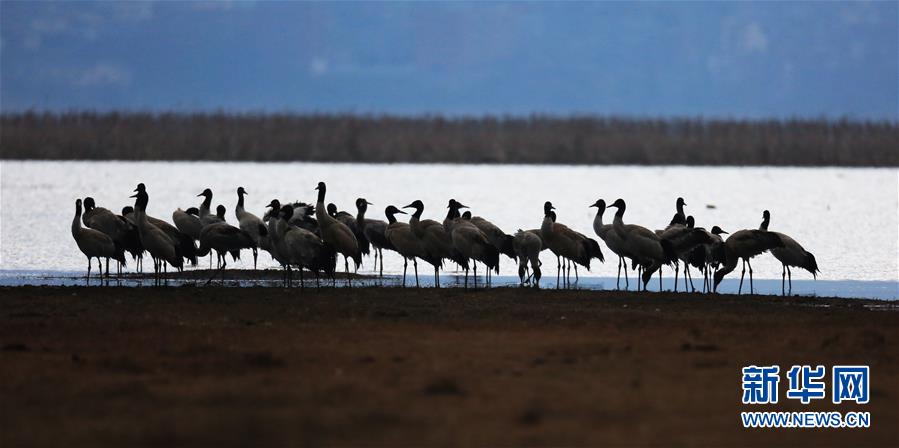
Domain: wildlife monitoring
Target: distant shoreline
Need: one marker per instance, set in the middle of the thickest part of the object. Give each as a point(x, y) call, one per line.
point(533, 139)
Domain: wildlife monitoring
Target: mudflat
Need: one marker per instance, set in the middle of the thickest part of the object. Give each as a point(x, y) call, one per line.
point(108, 366)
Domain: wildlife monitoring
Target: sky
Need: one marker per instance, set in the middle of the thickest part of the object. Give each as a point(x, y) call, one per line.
point(646, 59)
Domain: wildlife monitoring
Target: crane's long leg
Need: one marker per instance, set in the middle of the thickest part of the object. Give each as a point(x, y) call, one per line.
point(415, 264)
point(576, 278)
point(475, 263)
point(346, 269)
point(740, 289)
point(618, 279)
point(676, 269)
point(790, 279)
point(689, 276)
point(660, 279)
point(436, 277)
point(405, 266)
point(381, 253)
point(783, 279)
point(89, 268)
point(558, 270)
point(751, 289)
point(255, 256)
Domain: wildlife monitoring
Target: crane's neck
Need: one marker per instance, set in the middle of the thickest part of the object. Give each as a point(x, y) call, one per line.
point(597, 220)
point(320, 202)
point(76, 222)
point(680, 209)
point(547, 225)
point(618, 221)
point(239, 200)
point(204, 206)
point(360, 216)
point(765, 221)
point(390, 217)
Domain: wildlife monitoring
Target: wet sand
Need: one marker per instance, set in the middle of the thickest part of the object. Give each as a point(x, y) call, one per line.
point(387, 366)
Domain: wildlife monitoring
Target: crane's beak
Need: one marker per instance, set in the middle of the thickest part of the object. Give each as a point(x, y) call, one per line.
point(133, 196)
point(409, 206)
point(592, 205)
point(369, 203)
point(463, 206)
point(201, 194)
point(402, 212)
point(724, 231)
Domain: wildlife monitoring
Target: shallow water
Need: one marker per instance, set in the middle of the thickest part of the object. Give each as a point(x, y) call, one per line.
point(867, 289)
point(846, 217)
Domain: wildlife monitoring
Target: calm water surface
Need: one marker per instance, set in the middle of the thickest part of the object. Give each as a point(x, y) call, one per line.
point(846, 217)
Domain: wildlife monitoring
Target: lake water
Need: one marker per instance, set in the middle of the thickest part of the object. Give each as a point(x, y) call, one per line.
point(847, 217)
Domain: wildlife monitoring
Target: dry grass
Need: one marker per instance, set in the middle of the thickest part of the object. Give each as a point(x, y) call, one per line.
point(534, 139)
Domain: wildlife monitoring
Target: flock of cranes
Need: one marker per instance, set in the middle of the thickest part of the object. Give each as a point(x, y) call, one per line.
point(311, 238)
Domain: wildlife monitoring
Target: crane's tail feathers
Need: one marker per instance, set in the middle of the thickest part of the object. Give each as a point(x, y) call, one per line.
point(593, 250)
point(811, 265)
point(491, 258)
point(187, 248)
point(507, 248)
point(326, 260)
point(263, 230)
point(670, 255)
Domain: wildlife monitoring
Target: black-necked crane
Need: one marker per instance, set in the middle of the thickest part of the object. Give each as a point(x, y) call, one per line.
point(612, 239)
point(714, 255)
point(161, 247)
point(499, 239)
point(685, 240)
point(472, 244)
point(336, 233)
point(646, 247)
point(745, 244)
point(188, 222)
point(766, 219)
point(224, 238)
point(274, 223)
point(185, 243)
point(132, 237)
point(94, 243)
point(792, 254)
point(350, 221)
point(251, 224)
point(405, 242)
point(373, 230)
point(99, 218)
point(527, 247)
point(679, 216)
point(205, 206)
point(304, 248)
point(436, 241)
point(567, 243)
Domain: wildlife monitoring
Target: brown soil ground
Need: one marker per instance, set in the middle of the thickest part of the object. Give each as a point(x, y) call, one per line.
point(385, 366)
